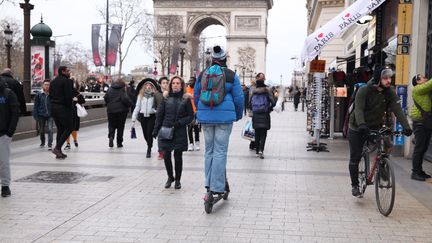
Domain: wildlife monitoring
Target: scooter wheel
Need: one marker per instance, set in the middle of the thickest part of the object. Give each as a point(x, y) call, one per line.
point(225, 196)
point(208, 207)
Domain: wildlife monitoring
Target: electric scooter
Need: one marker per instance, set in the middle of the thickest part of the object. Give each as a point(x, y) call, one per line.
point(210, 199)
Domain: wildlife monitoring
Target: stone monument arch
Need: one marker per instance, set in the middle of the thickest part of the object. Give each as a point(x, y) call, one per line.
point(245, 22)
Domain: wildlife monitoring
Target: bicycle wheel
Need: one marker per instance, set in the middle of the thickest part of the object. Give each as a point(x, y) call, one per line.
point(363, 173)
point(385, 187)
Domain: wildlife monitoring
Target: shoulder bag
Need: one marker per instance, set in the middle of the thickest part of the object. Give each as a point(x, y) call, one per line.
point(426, 116)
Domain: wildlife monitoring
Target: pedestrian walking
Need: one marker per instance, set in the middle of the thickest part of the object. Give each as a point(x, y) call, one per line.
point(296, 96)
point(61, 97)
point(42, 114)
point(173, 115)
point(193, 128)
point(163, 86)
point(261, 103)
point(422, 124)
point(219, 99)
point(132, 93)
point(118, 104)
point(79, 99)
point(149, 99)
point(9, 115)
point(16, 87)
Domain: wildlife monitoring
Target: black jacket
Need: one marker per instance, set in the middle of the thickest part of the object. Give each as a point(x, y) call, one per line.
point(261, 120)
point(61, 92)
point(9, 110)
point(175, 110)
point(17, 88)
point(116, 98)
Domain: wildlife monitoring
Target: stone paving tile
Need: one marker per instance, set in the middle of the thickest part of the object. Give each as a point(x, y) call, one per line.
point(290, 196)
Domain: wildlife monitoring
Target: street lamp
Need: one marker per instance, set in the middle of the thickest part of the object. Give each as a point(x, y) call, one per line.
point(182, 44)
point(8, 37)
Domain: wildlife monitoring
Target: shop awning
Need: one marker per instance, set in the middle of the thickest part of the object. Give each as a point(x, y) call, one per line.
point(315, 42)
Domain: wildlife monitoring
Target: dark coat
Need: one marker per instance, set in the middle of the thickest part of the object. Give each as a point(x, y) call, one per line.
point(116, 98)
point(61, 92)
point(9, 110)
point(17, 88)
point(175, 110)
point(261, 120)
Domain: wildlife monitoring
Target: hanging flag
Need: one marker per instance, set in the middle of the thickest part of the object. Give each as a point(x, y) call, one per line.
point(315, 42)
point(95, 44)
point(113, 44)
point(174, 59)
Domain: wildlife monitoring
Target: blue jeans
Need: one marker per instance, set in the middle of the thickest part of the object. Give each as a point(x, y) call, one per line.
point(216, 138)
point(48, 122)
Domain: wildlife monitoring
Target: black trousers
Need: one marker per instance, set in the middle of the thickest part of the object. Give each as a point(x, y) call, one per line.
point(178, 161)
point(260, 139)
point(356, 142)
point(422, 140)
point(63, 119)
point(147, 125)
point(193, 129)
point(116, 121)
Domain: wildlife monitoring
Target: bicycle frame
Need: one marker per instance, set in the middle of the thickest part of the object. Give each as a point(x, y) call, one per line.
point(381, 152)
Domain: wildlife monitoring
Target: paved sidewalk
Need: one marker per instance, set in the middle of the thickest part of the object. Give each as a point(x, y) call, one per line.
point(290, 196)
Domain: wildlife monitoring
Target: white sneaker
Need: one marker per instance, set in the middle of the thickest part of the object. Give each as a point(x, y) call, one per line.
point(197, 148)
point(191, 147)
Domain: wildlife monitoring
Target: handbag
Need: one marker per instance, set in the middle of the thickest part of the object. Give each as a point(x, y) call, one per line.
point(81, 111)
point(248, 132)
point(427, 116)
point(166, 133)
point(133, 133)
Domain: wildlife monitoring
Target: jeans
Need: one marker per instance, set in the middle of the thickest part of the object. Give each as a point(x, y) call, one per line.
point(216, 137)
point(260, 139)
point(356, 142)
point(48, 121)
point(5, 174)
point(422, 140)
point(116, 121)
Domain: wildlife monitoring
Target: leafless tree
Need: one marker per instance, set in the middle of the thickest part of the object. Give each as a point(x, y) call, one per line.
point(168, 30)
point(135, 24)
point(75, 56)
point(17, 52)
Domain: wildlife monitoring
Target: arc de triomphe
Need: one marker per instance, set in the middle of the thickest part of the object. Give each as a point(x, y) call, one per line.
point(245, 22)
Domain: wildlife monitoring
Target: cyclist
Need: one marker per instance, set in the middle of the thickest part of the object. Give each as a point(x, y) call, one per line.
point(372, 102)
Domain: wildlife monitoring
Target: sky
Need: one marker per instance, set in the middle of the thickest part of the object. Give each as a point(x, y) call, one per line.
point(287, 23)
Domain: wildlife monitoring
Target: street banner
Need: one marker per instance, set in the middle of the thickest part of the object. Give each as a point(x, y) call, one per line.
point(113, 44)
point(37, 68)
point(95, 44)
point(174, 59)
point(315, 42)
point(403, 94)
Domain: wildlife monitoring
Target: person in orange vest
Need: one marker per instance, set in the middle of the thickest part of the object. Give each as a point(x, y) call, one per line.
point(193, 128)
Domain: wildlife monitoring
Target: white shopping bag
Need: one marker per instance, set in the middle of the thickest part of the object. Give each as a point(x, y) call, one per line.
point(248, 132)
point(81, 111)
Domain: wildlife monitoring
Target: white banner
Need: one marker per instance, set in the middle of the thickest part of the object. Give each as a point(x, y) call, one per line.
point(315, 42)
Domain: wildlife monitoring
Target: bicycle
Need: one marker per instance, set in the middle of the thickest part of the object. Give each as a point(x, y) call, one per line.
point(381, 172)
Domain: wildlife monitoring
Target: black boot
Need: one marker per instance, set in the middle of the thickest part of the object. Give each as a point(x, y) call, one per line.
point(148, 155)
point(111, 142)
point(177, 185)
point(169, 182)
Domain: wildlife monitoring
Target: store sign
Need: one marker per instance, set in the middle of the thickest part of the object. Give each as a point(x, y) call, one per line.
point(317, 66)
point(404, 41)
point(315, 42)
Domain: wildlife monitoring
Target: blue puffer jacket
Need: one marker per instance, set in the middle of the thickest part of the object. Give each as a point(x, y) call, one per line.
point(231, 108)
